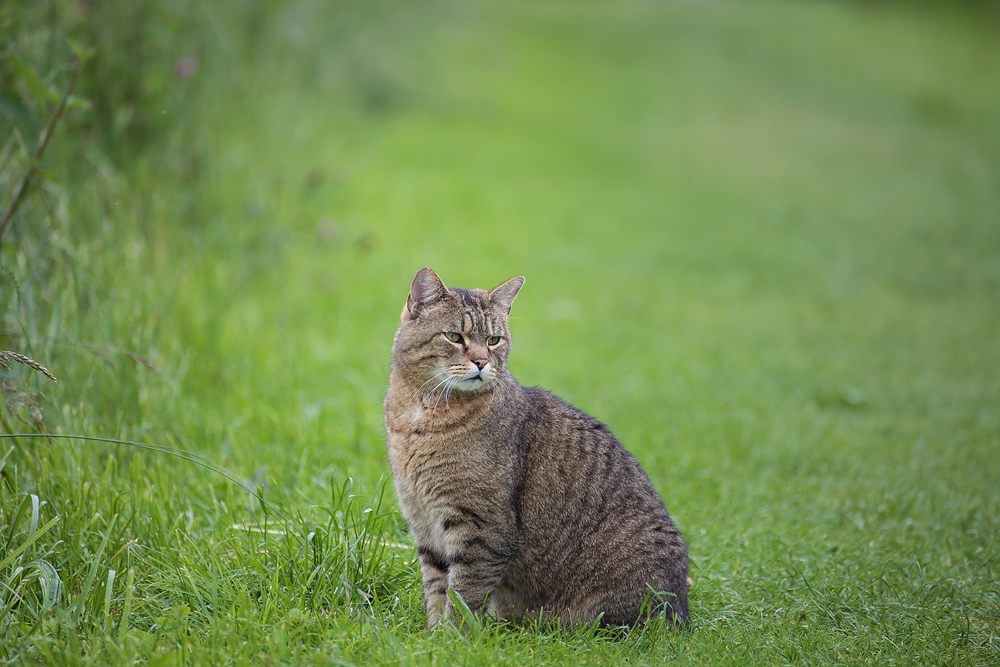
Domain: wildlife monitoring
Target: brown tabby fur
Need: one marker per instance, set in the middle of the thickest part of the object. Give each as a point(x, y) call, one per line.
point(515, 498)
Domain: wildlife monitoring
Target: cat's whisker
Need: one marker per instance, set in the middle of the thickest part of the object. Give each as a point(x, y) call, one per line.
point(447, 395)
point(430, 394)
point(433, 377)
point(442, 390)
point(496, 392)
point(448, 383)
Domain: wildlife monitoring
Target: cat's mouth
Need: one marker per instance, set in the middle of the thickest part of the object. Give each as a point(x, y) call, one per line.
point(454, 381)
point(474, 379)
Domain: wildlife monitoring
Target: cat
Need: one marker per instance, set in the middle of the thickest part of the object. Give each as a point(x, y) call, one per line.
point(518, 502)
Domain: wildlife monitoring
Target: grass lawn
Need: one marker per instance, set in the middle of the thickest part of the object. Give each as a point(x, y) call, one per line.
point(761, 242)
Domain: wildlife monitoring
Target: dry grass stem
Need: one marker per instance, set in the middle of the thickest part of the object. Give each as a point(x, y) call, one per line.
point(7, 355)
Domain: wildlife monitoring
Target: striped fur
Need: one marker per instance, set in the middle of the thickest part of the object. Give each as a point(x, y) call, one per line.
point(517, 501)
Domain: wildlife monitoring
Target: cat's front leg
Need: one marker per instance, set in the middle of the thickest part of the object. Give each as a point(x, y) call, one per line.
point(434, 575)
point(476, 570)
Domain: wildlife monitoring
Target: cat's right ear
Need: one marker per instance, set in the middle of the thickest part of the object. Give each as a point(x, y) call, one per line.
point(426, 288)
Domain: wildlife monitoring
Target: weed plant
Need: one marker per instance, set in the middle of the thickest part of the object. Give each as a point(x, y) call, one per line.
point(760, 243)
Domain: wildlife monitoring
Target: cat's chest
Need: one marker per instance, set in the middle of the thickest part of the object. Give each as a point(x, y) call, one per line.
point(431, 479)
point(411, 419)
point(428, 467)
point(426, 518)
point(436, 474)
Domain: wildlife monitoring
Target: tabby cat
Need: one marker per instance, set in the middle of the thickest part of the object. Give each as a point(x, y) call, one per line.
point(519, 502)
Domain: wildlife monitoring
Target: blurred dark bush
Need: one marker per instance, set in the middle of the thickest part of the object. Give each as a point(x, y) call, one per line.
point(129, 74)
point(132, 67)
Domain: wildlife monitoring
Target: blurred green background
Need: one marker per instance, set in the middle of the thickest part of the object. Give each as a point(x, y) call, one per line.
point(761, 241)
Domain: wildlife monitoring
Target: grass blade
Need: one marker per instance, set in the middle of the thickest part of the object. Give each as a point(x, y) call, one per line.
point(50, 582)
point(467, 620)
point(88, 584)
point(108, 594)
point(127, 609)
point(28, 542)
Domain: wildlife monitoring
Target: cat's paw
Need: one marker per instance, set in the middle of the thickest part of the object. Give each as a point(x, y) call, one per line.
point(434, 620)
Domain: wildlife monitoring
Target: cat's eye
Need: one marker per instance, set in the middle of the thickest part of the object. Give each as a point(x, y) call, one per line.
point(493, 340)
point(453, 336)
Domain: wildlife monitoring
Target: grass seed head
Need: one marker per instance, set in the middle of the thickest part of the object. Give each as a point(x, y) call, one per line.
point(7, 355)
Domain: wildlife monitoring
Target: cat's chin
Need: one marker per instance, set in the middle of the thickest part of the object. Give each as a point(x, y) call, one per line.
point(471, 384)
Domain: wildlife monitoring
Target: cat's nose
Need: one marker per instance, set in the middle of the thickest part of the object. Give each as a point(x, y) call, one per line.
point(480, 362)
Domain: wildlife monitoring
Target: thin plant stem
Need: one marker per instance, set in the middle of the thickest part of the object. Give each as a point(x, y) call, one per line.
point(22, 187)
point(102, 351)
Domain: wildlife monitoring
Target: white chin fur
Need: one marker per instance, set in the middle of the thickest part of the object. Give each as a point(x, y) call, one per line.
point(472, 383)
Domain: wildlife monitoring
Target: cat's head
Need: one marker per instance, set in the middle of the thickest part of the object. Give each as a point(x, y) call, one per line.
point(453, 339)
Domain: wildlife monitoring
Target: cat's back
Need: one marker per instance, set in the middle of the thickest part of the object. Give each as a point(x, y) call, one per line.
point(595, 526)
point(568, 447)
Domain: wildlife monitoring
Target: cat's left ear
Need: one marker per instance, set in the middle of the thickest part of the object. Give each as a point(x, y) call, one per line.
point(504, 294)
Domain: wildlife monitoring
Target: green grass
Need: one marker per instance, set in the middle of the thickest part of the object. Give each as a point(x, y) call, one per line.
point(761, 242)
